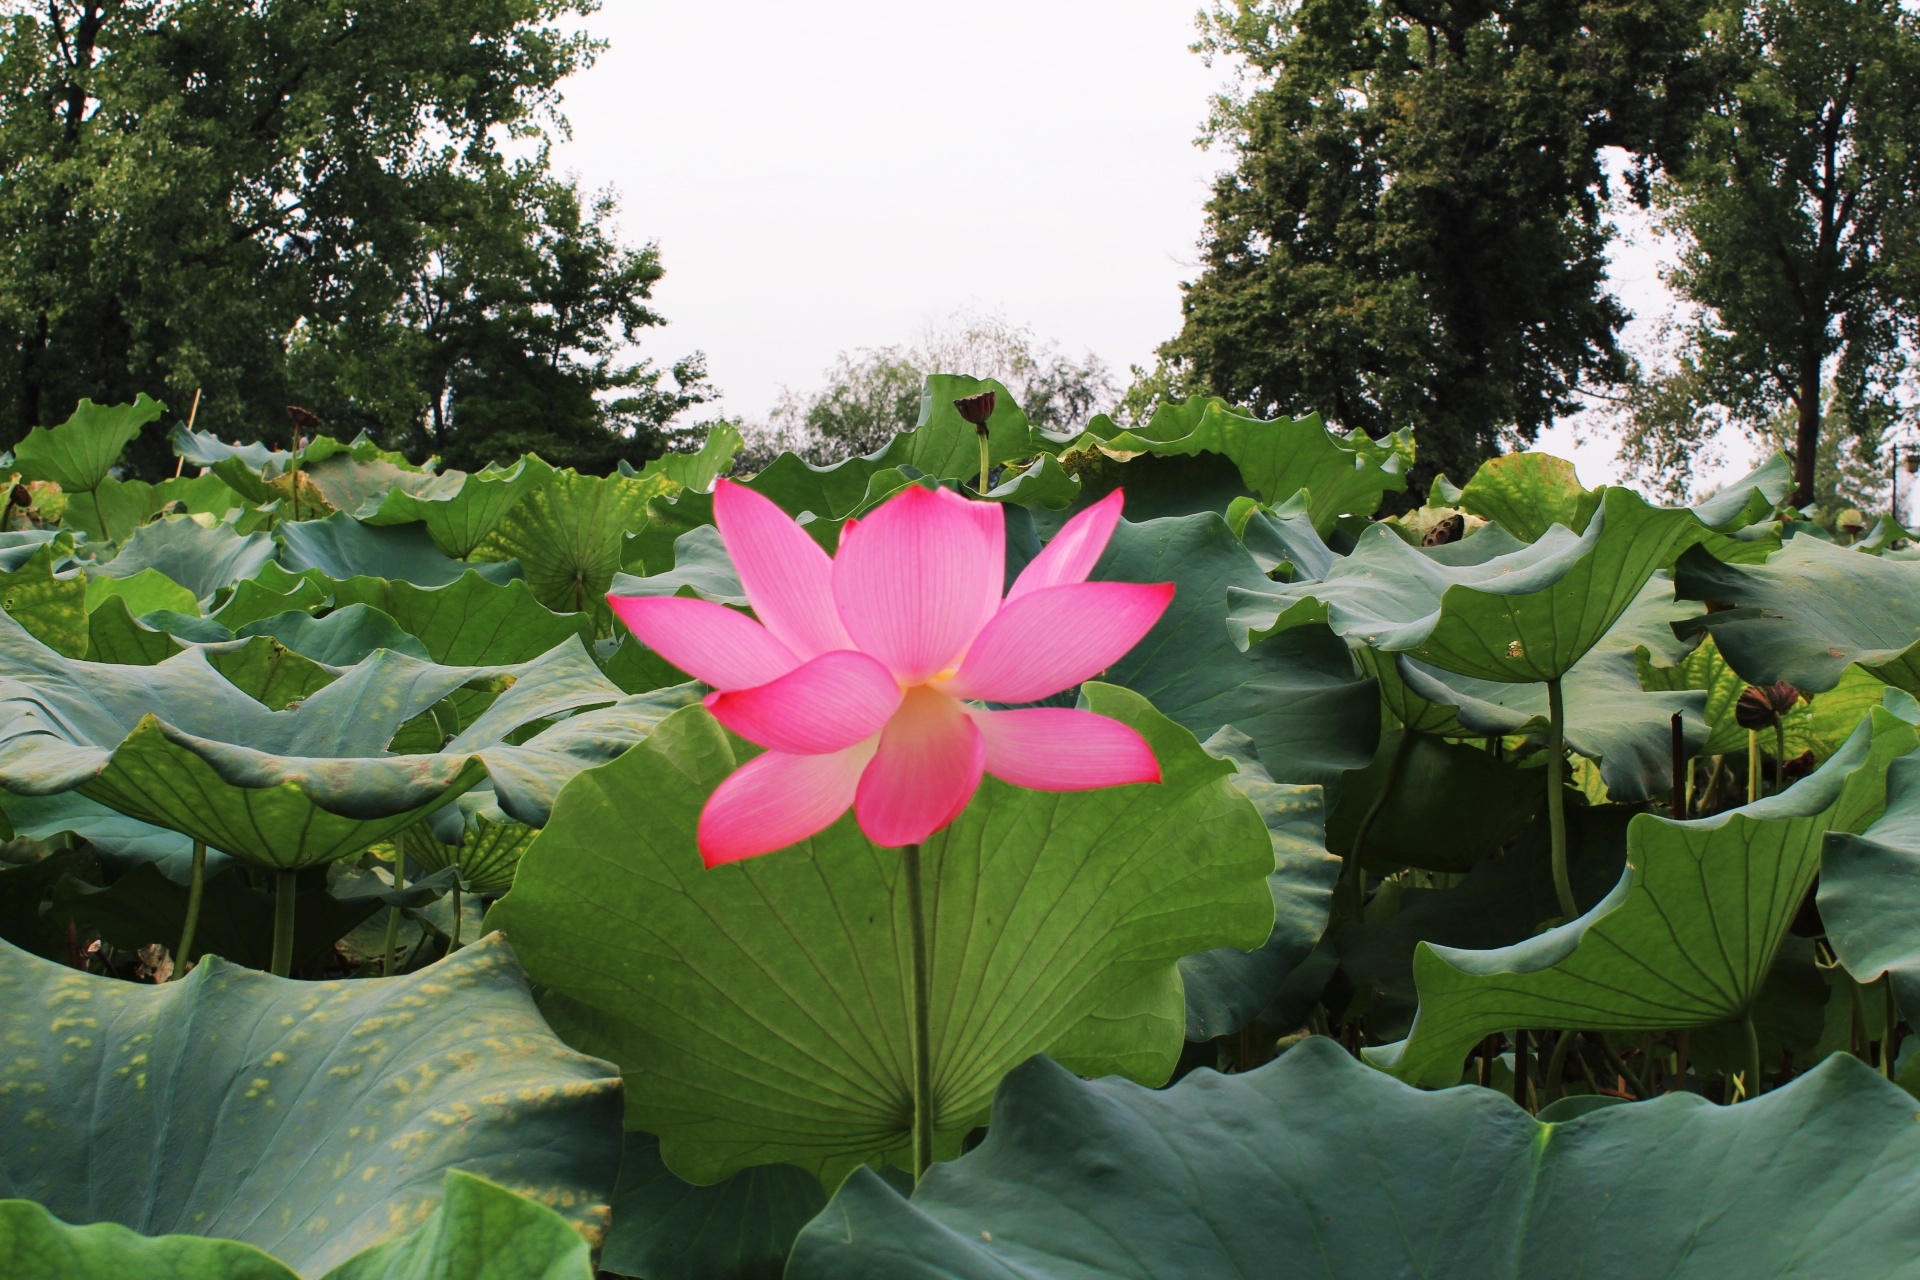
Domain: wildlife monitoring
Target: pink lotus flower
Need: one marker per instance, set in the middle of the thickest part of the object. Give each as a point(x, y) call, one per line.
point(861, 675)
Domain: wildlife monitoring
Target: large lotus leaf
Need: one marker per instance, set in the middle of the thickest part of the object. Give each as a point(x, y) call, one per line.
point(181, 746)
point(1226, 988)
point(50, 603)
point(203, 449)
point(478, 1231)
point(1503, 900)
point(269, 672)
point(342, 638)
point(1684, 940)
point(665, 1228)
point(1296, 695)
point(202, 558)
point(273, 592)
point(1611, 717)
point(567, 536)
point(942, 444)
point(1808, 613)
point(700, 567)
point(1818, 722)
point(1451, 805)
point(1526, 616)
point(144, 592)
point(1526, 493)
point(459, 508)
point(1313, 1166)
point(115, 635)
point(488, 853)
point(117, 507)
point(350, 485)
point(78, 454)
point(311, 1119)
point(1341, 474)
point(698, 470)
point(342, 547)
point(471, 621)
point(17, 546)
point(286, 495)
point(760, 1009)
point(1868, 900)
point(119, 839)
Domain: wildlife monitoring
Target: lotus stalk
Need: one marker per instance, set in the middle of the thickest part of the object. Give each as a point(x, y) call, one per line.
point(1556, 798)
point(196, 888)
point(387, 967)
point(285, 885)
point(922, 1000)
point(1396, 765)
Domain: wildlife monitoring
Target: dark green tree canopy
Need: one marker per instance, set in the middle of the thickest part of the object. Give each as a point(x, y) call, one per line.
point(297, 202)
point(1412, 233)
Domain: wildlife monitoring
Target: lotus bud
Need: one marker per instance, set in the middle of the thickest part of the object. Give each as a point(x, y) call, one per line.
point(1761, 706)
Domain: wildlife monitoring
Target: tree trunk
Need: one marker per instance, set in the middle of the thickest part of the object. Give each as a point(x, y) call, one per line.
point(1806, 446)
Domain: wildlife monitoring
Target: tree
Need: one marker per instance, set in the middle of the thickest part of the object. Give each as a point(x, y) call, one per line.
point(1413, 230)
point(292, 201)
point(1800, 205)
point(873, 394)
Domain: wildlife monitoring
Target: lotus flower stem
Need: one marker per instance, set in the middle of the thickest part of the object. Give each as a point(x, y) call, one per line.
point(195, 888)
point(1892, 1015)
point(283, 922)
point(1396, 764)
point(1779, 756)
point(1520, 1071)
point(1556, 798)
point(921, 1000)
point(1753, 765)
point(984, 464)
point(1753, 1054)
point(453, 943)
point(1557, 1067)
point(393, 914)
point(1678, 804)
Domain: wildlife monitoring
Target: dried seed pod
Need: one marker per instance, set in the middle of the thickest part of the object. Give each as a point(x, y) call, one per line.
point(20, 497)
point(1761, 706)
point(1451, 529)
point(976, 409)
point(304, 419)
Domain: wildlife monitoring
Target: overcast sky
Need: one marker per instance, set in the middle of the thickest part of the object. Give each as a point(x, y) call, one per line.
point(843, 173)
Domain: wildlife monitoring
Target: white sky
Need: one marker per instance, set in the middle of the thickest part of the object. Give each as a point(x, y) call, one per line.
point(843, 173)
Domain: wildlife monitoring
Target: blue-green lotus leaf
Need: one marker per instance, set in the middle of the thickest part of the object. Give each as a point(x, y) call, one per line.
point(342, 547)
point(202, 558)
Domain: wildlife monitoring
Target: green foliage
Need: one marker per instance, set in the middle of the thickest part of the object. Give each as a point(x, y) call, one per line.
point(668, 1229)
point(256, 1134)
point(1095, 896)
point(1317, 1158)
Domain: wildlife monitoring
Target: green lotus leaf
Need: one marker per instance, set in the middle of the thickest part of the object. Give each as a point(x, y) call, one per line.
point(38, 1246)
point(204, 449)
point(1818, 722)
point(489, 849)
point(274, 592)
point(17, 546)
point(23, 891)
point(350, 484)
point(1341, 473)
point(1313, 1165)
point(637, 669)
point(1684, 940)
point(115, 635)
point(470, 622)
point(1867, 899)
point(180, 745)
point(203, 558)
point(50, 603)
point(269, 672)
point(1042, 484)
point(78, 454)
point(342, 547)
point(1529, 615)
point(311, 1119)
point(700, 567)
point(740, 1229)
point(144, 592)
point(118, 507)
point(1227, 987)
point(459, 508)
point(760, 1011)
point(1503, 900)
point(1296, 695)
point(1808, 613)
point(342, 638)
point(1450, 806)
point(698, 470)
point(567, 537)
point(120, 840)
point(1524, 493)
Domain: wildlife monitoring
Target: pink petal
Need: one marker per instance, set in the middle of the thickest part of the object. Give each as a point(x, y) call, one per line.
point(775, 800)
point(829, 704)
point(787, 576)
point(1074, 551)
point(708, 641)
point(992, 520)
point(927, 768)
point(1054, 638)
point(911, 581)
point(1054, 749)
